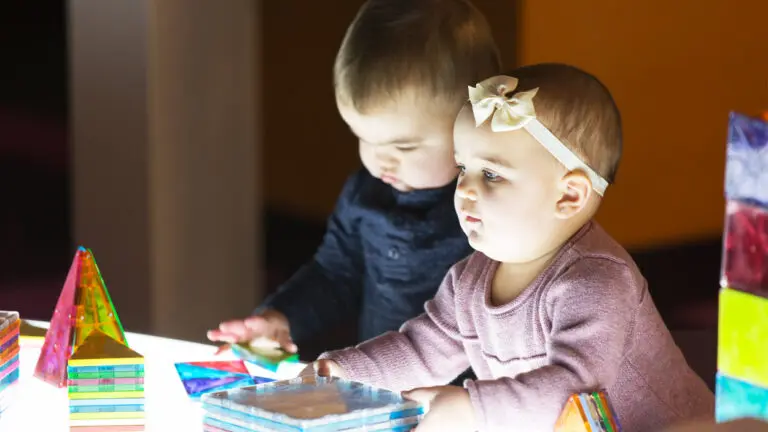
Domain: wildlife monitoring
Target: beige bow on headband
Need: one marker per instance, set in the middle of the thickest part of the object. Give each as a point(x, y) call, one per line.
point(509, 113)
point(489, 99)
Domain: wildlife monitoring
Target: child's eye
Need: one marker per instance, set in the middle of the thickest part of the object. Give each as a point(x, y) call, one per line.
point(461, 168)
point(491, 176)
point(406, 147)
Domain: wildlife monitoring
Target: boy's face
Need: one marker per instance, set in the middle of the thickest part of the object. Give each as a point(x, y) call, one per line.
point(507, 193)
point(406, 143)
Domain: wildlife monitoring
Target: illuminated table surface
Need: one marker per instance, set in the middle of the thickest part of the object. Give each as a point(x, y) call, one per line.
point(39, 406)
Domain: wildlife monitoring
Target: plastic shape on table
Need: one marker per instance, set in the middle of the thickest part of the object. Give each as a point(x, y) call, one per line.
point(588, 412)
point(199, 378)
point(84, 305)
point(311, 403)
point(746, 170)
point(745, 248)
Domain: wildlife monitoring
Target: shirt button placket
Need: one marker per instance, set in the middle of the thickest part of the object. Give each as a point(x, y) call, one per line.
point(393, 253)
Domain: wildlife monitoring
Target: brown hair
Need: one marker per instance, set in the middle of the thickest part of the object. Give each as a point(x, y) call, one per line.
point(436, 46)
point(579, 110)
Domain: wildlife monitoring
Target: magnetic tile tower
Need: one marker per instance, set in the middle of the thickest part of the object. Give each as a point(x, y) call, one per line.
point(9, 357)
point(106, 384)
point(742, 359)
point(588, 412)
point(84, 305)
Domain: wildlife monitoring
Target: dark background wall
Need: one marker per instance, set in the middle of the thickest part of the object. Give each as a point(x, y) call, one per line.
point(34, 215)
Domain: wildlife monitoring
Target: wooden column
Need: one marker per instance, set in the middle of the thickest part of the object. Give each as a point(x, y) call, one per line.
point(165, 137)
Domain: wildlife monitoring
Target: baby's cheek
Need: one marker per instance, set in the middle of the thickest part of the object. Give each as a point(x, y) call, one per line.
point(366, 157)
point(438, 168)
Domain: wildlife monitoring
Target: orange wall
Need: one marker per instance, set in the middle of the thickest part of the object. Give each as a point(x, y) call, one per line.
point(308, 150)
point(676, 68)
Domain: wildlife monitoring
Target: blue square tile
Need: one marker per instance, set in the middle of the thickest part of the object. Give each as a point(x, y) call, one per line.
point(746, 172)
point(736, 399)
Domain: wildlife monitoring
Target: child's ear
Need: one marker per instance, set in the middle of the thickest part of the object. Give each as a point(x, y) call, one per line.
point(576, 190)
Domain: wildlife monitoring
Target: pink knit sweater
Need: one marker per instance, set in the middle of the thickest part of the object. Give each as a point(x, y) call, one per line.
point(587, 322)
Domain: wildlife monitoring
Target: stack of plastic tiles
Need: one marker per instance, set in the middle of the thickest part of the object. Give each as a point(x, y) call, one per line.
point(106, 384)
point(9, 357)
point(309, 404)
point(742, 359)
point(588, 412)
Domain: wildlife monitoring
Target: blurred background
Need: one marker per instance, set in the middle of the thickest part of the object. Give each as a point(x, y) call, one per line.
point(163, 135)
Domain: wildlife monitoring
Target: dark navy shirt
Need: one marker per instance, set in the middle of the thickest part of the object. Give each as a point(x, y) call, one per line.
point(383, 255)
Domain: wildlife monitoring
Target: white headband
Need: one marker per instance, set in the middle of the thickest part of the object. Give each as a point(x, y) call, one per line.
point(511, 113)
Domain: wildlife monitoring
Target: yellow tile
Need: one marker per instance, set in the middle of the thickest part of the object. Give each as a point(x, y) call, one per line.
point(99, 349)
point(108, 395)
point(742, 350)
point(572, 418)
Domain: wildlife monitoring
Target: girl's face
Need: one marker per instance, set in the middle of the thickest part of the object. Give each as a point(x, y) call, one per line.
point(508, 191)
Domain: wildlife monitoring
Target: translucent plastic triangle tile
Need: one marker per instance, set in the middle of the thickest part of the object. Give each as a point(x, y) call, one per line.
point(84, 306)
point(588, 412)
point(310, 404)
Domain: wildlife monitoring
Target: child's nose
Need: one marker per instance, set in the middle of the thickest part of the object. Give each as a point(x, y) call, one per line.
point(386, 161)
point(464, 191)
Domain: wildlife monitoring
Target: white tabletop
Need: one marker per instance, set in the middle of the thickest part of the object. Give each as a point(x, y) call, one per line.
point(39, 406)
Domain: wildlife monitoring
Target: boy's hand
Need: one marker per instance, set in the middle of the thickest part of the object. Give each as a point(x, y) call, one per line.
point(324, 368)
point(449, 409)
point(270, 325)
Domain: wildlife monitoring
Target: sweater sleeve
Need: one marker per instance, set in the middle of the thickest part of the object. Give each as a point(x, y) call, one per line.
point(328, 288)
point(591, 309)
point(427, 350)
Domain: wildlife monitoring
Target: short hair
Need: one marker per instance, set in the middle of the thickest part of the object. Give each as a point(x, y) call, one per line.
point(579, 109)
point(436, 46)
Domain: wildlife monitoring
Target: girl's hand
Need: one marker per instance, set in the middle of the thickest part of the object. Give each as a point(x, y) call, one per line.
point(324, 368)
point(448, 409)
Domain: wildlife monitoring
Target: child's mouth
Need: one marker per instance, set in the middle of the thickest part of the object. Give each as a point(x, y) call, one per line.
point(389, 179)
